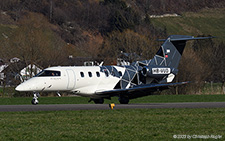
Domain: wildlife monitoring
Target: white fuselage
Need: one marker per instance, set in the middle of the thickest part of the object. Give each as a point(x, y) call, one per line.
point(83, 80)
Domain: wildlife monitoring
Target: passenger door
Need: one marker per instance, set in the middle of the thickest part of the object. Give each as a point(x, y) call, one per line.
point(71, 79)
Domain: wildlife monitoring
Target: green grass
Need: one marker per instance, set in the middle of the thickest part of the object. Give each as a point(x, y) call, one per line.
point(84, 100)
point(207, 21)
point(179, 98)
point(125, 124)
point(143, 124)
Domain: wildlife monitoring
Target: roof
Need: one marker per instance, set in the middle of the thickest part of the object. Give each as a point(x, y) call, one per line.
point(2, 67)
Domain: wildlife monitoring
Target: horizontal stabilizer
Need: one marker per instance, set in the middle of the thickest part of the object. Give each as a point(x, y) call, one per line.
point(184, 38)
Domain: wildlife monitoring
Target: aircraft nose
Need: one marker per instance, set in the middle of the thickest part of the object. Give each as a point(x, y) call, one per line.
point(23, 87)
point(29, 85)
point(19, 88)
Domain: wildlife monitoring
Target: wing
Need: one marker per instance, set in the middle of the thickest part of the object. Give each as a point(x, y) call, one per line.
point(138, 91)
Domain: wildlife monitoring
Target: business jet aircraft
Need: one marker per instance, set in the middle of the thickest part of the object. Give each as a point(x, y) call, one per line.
point(142, 78)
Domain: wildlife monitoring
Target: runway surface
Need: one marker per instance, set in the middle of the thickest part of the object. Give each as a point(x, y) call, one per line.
point(72, 107)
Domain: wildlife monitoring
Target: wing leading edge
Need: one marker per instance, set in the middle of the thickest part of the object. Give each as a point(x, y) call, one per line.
point(138, 91)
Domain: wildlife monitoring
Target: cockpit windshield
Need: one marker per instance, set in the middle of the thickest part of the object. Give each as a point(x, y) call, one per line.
point(48, 73)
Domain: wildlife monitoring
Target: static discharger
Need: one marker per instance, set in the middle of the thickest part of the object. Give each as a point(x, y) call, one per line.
point(111, 106)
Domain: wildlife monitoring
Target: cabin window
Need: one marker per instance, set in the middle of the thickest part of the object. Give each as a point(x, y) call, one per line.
point(81, 74)
point(46, 73)
point(90, 74)
point(97, 74)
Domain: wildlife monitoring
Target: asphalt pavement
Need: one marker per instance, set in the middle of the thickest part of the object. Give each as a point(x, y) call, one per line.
point(72, 107)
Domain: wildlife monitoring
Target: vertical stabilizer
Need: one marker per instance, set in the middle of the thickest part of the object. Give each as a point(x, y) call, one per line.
point(171, 51)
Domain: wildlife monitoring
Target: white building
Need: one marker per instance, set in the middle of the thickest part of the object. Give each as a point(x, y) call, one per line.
point(2, 76)
point(26, 72)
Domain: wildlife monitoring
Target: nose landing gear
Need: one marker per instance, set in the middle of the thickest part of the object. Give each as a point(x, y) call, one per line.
point(34, 101)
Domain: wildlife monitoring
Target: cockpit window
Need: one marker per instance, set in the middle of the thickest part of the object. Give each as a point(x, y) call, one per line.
point(46, 73)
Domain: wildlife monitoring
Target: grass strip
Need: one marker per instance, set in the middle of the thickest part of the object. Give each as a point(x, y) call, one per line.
point(142, 124)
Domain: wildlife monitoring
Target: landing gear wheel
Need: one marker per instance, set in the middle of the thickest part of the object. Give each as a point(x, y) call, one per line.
point(124, 100)
point(34, 101)
point(98, 101)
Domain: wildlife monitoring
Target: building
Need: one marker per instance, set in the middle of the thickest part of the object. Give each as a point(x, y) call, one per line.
point(16, 71)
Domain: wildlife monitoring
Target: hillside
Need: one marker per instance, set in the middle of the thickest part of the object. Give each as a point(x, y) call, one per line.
point(204, 22)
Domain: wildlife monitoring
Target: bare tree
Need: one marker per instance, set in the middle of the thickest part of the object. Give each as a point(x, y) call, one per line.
point(33, 42)
point(129, 42)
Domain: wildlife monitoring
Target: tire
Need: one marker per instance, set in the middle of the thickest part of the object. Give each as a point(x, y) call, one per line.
point(124, 100)
point(33, 102)
point(98, 101)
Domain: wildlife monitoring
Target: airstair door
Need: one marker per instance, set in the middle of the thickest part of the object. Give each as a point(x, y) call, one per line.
point(71, 79)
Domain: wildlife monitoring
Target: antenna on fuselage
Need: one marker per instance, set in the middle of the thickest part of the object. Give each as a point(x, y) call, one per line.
point(101, 64)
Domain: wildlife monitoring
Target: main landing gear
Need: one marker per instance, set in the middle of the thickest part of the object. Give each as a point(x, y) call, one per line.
point(34, 101)
point(124, 100)
point(97, 101)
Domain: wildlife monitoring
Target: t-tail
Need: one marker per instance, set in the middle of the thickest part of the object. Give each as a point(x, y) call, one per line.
point(164, 65)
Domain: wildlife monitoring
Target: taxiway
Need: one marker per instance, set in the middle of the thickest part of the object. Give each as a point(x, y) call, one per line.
point(70, 107)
